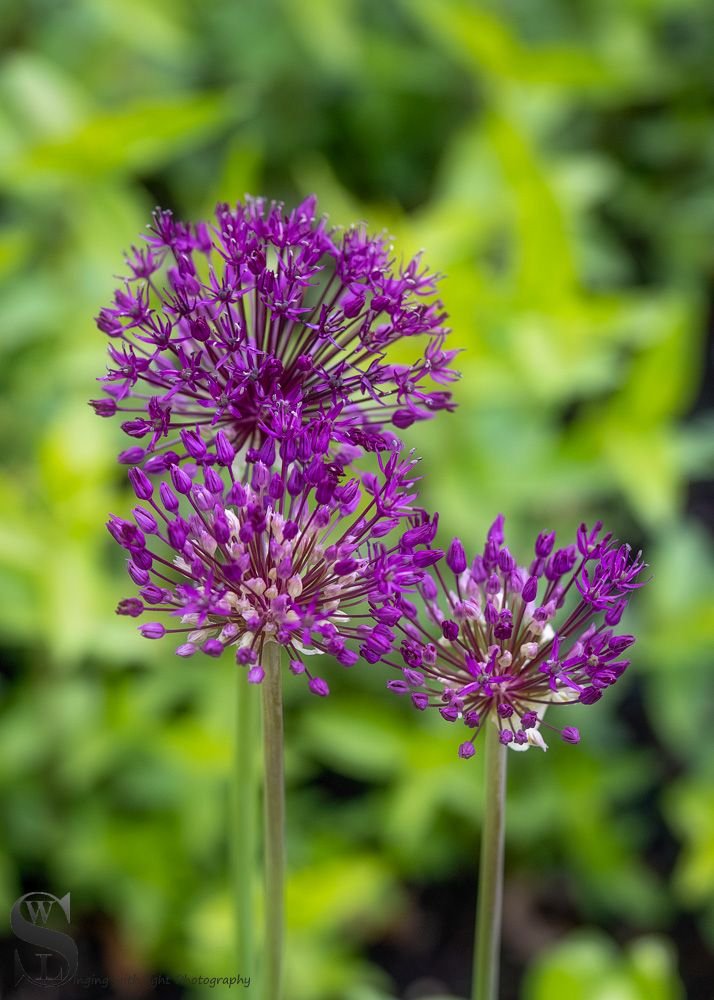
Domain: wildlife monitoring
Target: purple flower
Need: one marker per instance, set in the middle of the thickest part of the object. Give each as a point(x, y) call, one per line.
point(503, 642)
point(302, 561)
point(217, 325)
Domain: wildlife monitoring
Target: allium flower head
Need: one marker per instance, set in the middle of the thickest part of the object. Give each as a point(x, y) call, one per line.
point(298, 557)
point(497, 642)
point(217, 323)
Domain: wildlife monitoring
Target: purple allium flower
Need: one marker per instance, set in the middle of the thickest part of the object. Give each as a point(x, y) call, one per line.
point(216, 324)
point(503, 642)
point(297, 557)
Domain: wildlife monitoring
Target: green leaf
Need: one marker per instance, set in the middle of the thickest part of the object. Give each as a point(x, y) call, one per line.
point(137, 137)
point(588, 966)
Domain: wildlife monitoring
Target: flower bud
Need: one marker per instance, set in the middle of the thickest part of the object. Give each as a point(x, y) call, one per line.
point(152, 630)
point(182, 482)
point(530, 589)
point(450, 630)
point(224, 449)
point(456, 557)
point(141, 484)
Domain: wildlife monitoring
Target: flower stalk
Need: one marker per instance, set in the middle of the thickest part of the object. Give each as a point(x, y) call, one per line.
point(245, 802)
point(274, 823)
point(490, 881)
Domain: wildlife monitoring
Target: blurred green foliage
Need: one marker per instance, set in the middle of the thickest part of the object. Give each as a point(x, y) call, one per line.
point(588, 967)
point(556, 162)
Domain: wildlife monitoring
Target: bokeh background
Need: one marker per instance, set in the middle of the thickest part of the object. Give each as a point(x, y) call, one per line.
point(556, 161)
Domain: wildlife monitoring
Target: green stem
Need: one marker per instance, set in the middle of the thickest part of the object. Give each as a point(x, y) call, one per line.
point(490, 887)
point(245, 803)
point(274, 833)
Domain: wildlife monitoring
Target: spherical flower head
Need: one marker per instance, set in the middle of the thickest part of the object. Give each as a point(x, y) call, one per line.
point(299, 558)
point(217, 323)
point(496, 643)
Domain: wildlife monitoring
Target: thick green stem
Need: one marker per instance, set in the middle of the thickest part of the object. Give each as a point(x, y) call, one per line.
point(245, 809)
point(274, 834)
point(490, 882)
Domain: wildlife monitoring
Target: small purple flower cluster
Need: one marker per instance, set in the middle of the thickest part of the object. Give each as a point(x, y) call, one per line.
point(216, 325)
point(290, 557)
point(500, 644)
